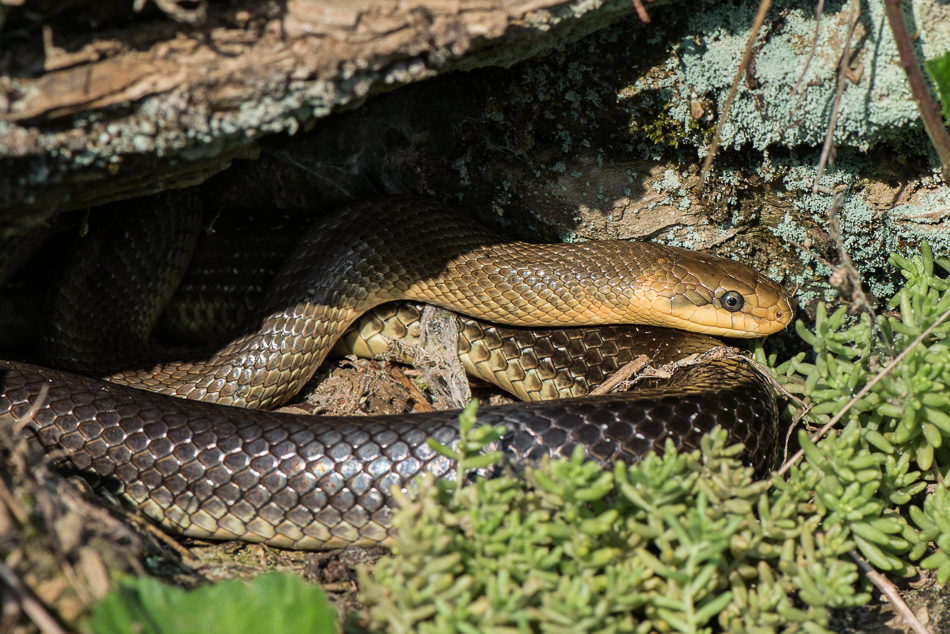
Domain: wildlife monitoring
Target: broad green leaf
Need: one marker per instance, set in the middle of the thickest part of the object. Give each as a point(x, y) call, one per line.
point(939, 69)
point(275, 603)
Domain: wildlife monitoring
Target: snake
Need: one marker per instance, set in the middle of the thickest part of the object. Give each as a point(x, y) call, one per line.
point(189, 442)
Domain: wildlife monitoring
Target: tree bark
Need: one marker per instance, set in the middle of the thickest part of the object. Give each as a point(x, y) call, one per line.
point(90, 115)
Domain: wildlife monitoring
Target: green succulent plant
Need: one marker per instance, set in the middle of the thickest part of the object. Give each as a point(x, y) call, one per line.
point(685, 542)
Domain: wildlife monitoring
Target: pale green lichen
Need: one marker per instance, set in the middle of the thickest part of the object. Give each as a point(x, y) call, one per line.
point(875, 108)
point(867, 234)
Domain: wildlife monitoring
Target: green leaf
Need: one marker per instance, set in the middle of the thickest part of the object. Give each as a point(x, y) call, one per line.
point(441, 449)
point(713, 607)
point(483, 460)
point(939, 70)
point(276, 603)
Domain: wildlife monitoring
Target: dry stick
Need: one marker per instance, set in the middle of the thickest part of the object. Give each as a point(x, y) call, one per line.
point(867, 388)
point(70, 573)
point(10, 502)
point(339, 586)
point(641, 11)
point(842, 78)
point(845, 277)
point(764, 371)
point(134, 517)
point(847, 274)
point(621, 375)
point(889, 591)
point(35, 406)
point(933, 122)
point(421, 403)
point(764, 6)
point(814, 48)
point(31, 605)
point(799, 403)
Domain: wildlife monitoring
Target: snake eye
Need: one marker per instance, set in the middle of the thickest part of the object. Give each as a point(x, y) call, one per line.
point(732, 301)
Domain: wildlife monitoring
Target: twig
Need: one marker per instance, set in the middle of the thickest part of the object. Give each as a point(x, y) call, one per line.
point(867, 388)
point(799, 403)
point(339, 586)
point(10, 502)
point(70, 573)
point(621, 375)
point(788, 437)
point(161, 536)
point(842, 78)
point(845, 279)
point(764, 371)
point(35, 406)
point(641, 11)
point(421, 403)
point(814, 48)
point(31, 605)
point(933, 122)
point(888, 590)
point(764, 6)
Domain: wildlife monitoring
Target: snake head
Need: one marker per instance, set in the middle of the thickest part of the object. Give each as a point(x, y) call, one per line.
point(702, 293)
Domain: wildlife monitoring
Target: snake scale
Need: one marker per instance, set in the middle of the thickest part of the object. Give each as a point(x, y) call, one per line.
point(203, 469)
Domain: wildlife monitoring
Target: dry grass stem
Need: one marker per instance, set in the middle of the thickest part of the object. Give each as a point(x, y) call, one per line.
point(764, 371)
point(9, 501)
point(621, 375)
point(929, 111)
point(34, 609)
point(842, 78)
point(764, 6)
point(641, 11)
point(34, 407)
point(888, 590)
point(814, 48)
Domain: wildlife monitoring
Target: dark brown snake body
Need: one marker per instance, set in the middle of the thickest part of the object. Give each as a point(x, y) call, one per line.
point(206, 470)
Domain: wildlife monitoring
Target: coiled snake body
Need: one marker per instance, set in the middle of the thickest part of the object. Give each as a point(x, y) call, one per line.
point(206, 470)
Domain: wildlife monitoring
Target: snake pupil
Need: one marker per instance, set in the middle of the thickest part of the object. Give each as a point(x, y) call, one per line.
point(732, 301)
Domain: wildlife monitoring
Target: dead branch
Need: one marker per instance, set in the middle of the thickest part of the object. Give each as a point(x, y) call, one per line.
point(764, 6)
point(888, 590)
point(929, 112)
point(828, 146)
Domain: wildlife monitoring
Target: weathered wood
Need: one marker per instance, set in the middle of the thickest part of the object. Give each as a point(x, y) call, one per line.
point(88, 116)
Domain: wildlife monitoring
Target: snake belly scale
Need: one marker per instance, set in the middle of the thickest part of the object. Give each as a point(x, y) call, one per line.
point(206, 470)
